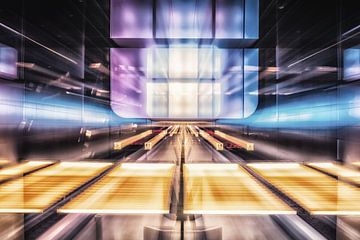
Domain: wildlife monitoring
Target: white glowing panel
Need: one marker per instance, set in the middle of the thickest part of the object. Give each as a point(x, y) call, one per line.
point(157, 99)
point(183, 62)
point(209, 99)
point(183, 99)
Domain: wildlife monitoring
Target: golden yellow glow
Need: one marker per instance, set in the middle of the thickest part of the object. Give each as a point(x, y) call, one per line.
point(174, 130)
point(239, 142)
point(128, 141)
point(152, 142)
point(193, 131)
point(22, 168)
point(216, 143)
point(314, 191)
point(39, 190)
point(130, 188)
point(342, 172)
point(4, 162)
point(227, 189)
point(357, 164)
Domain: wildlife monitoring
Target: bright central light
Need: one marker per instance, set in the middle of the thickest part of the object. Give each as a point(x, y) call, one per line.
point(183, 62)
point(183, 102)
point(183, 99)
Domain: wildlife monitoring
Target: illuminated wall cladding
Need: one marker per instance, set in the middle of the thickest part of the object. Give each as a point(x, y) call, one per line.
point(192, 66)
point(181, 82)
point(234, 19)
point(352, 63)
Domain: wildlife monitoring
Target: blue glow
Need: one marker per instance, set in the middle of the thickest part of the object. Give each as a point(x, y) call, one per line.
point(59, 113)
point(324, 110)
point(251, 19)
point(352, 64)
point(251, 81)
point(239, 82)
point(237, 19)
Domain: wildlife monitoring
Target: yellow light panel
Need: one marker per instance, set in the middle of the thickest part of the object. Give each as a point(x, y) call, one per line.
point(128, 141)
point(227, 189)
point(130, 188)
point(338, 170)
point(314, 191)
point(21, 169)
point(357, 164)
point(216, 144)
point(4, 162)
point(39, 190)
point(239, 142)
point(152, 142)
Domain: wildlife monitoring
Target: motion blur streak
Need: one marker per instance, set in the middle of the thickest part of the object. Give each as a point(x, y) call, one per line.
point(323, 110)
point(227, 189)
point(337, 170)
point(314, 191)
point(36, 192)
point(130, 188)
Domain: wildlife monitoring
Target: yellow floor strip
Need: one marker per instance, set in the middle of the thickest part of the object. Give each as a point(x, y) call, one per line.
point(39, 190)
point(340, 171)
point(314, 191)
point(118, 145)
point(237, 141)
point(21, 169)
point(227, 189)
point(152, 142)
point(213, 141)
point(130, 188)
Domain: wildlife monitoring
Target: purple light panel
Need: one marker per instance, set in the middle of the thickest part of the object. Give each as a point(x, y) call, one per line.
point(8, 59)
point(131, 19)
point(128, 80)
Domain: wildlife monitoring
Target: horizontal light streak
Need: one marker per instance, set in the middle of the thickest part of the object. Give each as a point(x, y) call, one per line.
point(338, 170)
point(4, 162)
point(314, 191)
point(36, 42)
point(227, 189)
point(357, 164)
point(118, 145)
point(152, 142)
point(37, 191)
point(239, 142)
point(216, 143)
point(22, 168)
point(130, 188)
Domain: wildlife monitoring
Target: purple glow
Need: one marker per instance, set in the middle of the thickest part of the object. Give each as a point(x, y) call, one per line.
point(128, 80)
point(126, 21)
point(8, 59)
point(186, 19)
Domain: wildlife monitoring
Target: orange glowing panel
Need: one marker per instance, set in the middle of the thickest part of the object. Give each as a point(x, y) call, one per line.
point(314, 191)
point(37, 191)
point(4, 162)
point(227, 189)
point(130, 188)
point(22, 168)
point(340, 171)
